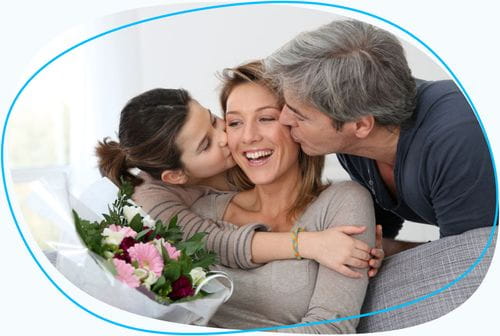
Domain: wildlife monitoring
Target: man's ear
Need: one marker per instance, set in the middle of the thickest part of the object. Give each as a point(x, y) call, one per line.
point(363, 126)
point(174, 176)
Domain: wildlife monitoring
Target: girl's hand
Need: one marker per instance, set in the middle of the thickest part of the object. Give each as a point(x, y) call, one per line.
point(377, 253)
point(336, 249)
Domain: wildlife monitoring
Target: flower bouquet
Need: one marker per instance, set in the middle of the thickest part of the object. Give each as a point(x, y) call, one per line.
point(145, 253)
point(122, 257)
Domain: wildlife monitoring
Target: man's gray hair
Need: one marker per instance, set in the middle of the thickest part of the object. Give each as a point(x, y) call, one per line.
point(347, 69)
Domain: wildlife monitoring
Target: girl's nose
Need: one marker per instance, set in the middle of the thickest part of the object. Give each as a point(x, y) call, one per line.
point(222, 138)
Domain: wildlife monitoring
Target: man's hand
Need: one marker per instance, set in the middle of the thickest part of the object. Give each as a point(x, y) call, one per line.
point(392, 246)
point(377, 253)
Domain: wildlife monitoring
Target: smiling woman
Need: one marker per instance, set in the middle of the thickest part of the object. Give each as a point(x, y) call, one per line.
point(284, 190)
point(89, 85)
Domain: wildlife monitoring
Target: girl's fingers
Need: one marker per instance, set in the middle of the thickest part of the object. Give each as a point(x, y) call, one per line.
point(360, 254)
point(349, 272)
point(357, 263)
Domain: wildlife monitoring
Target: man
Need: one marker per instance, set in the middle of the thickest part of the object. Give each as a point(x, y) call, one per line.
point(416, 145)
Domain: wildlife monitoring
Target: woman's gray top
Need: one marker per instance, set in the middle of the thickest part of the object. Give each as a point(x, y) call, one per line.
point(298, 291)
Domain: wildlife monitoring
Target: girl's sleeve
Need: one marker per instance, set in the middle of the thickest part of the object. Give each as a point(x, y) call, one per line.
point(336, 296)
point(232, 244)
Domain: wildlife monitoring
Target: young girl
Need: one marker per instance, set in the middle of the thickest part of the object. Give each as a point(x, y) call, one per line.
point(181, 149)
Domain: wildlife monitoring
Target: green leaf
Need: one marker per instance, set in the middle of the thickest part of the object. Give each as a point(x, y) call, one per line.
point(172, 271)
point(159, 283)
point(136, 223)
point(193, 244)
point(90, 233)
point(142, 234)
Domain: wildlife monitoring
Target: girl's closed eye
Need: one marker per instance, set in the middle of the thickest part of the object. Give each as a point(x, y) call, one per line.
point(208, 142)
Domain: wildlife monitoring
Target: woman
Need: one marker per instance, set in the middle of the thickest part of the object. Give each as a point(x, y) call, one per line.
point(151, 139)
point(282, 187)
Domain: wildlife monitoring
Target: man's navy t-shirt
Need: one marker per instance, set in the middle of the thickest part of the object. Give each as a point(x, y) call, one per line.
point(443, 170)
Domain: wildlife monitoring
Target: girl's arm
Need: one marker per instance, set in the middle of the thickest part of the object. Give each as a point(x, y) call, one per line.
point(249, 246)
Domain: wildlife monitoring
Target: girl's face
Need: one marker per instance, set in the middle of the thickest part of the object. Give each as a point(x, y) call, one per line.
point(260, 145)
point(203, 144)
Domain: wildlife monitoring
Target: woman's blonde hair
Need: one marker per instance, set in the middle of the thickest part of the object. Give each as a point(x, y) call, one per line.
point(311, 167)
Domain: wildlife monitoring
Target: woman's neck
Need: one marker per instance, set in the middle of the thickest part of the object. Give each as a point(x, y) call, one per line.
point(271, 202)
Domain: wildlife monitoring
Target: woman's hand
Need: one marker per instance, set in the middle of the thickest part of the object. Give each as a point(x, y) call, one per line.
point(377, 253)
point(336, 249)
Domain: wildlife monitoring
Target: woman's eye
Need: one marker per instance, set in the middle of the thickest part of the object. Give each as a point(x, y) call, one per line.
point(267, 119)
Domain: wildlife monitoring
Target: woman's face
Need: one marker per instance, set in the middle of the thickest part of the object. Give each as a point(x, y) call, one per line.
point(203, 144)
point(260, 145)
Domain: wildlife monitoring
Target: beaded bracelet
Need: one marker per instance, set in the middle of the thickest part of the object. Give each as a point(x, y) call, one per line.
point(295, 242)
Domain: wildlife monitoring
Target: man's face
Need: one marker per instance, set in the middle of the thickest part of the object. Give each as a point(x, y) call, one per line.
point(312, 128)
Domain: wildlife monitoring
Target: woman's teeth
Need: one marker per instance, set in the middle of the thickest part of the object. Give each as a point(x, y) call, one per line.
point(258, 154)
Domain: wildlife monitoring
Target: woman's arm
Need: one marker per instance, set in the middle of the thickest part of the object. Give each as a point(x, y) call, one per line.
point(336, 296)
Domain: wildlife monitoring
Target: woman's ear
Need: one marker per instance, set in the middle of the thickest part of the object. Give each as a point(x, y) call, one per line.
point(174, 176)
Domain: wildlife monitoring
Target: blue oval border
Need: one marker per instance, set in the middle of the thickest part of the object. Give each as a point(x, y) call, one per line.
point(198, 9)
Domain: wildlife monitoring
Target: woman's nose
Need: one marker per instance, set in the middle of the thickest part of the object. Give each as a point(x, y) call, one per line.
point(250, 133)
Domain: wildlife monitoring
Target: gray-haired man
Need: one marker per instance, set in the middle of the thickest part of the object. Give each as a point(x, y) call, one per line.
point(415, 145)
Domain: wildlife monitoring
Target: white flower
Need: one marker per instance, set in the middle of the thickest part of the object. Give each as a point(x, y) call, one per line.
point(148, 221)
point(108, 254)
point(150, 280)
point(197, 275)
point(141, 273)
point(129, 211)
point(158, 243)
point(112, 237)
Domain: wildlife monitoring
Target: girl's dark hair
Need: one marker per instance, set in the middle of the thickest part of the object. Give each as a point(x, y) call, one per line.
point(149, 126)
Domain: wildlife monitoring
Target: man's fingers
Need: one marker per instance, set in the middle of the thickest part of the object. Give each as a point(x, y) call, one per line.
point(375, 263)
point(378, 236)
point(372, 272)
point(377, 253)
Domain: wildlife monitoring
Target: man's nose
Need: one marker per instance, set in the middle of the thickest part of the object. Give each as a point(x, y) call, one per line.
point(286, 117)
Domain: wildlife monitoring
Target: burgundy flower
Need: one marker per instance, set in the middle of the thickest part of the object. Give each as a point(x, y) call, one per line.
point(149, 235)
point(181, 288)
point(126, 243)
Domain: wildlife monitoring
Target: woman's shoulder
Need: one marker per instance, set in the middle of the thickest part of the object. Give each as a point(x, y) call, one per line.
point(341, 190)
point(213, 205)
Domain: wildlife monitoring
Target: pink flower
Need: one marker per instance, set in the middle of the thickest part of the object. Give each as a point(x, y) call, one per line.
point(126, 273)
point(147, 256)
point(173, 253)
point(126, 231)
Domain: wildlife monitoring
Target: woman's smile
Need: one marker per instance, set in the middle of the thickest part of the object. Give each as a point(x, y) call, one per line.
point(258, 157)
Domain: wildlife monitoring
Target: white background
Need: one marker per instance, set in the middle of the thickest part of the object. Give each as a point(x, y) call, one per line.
point(465, 36)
